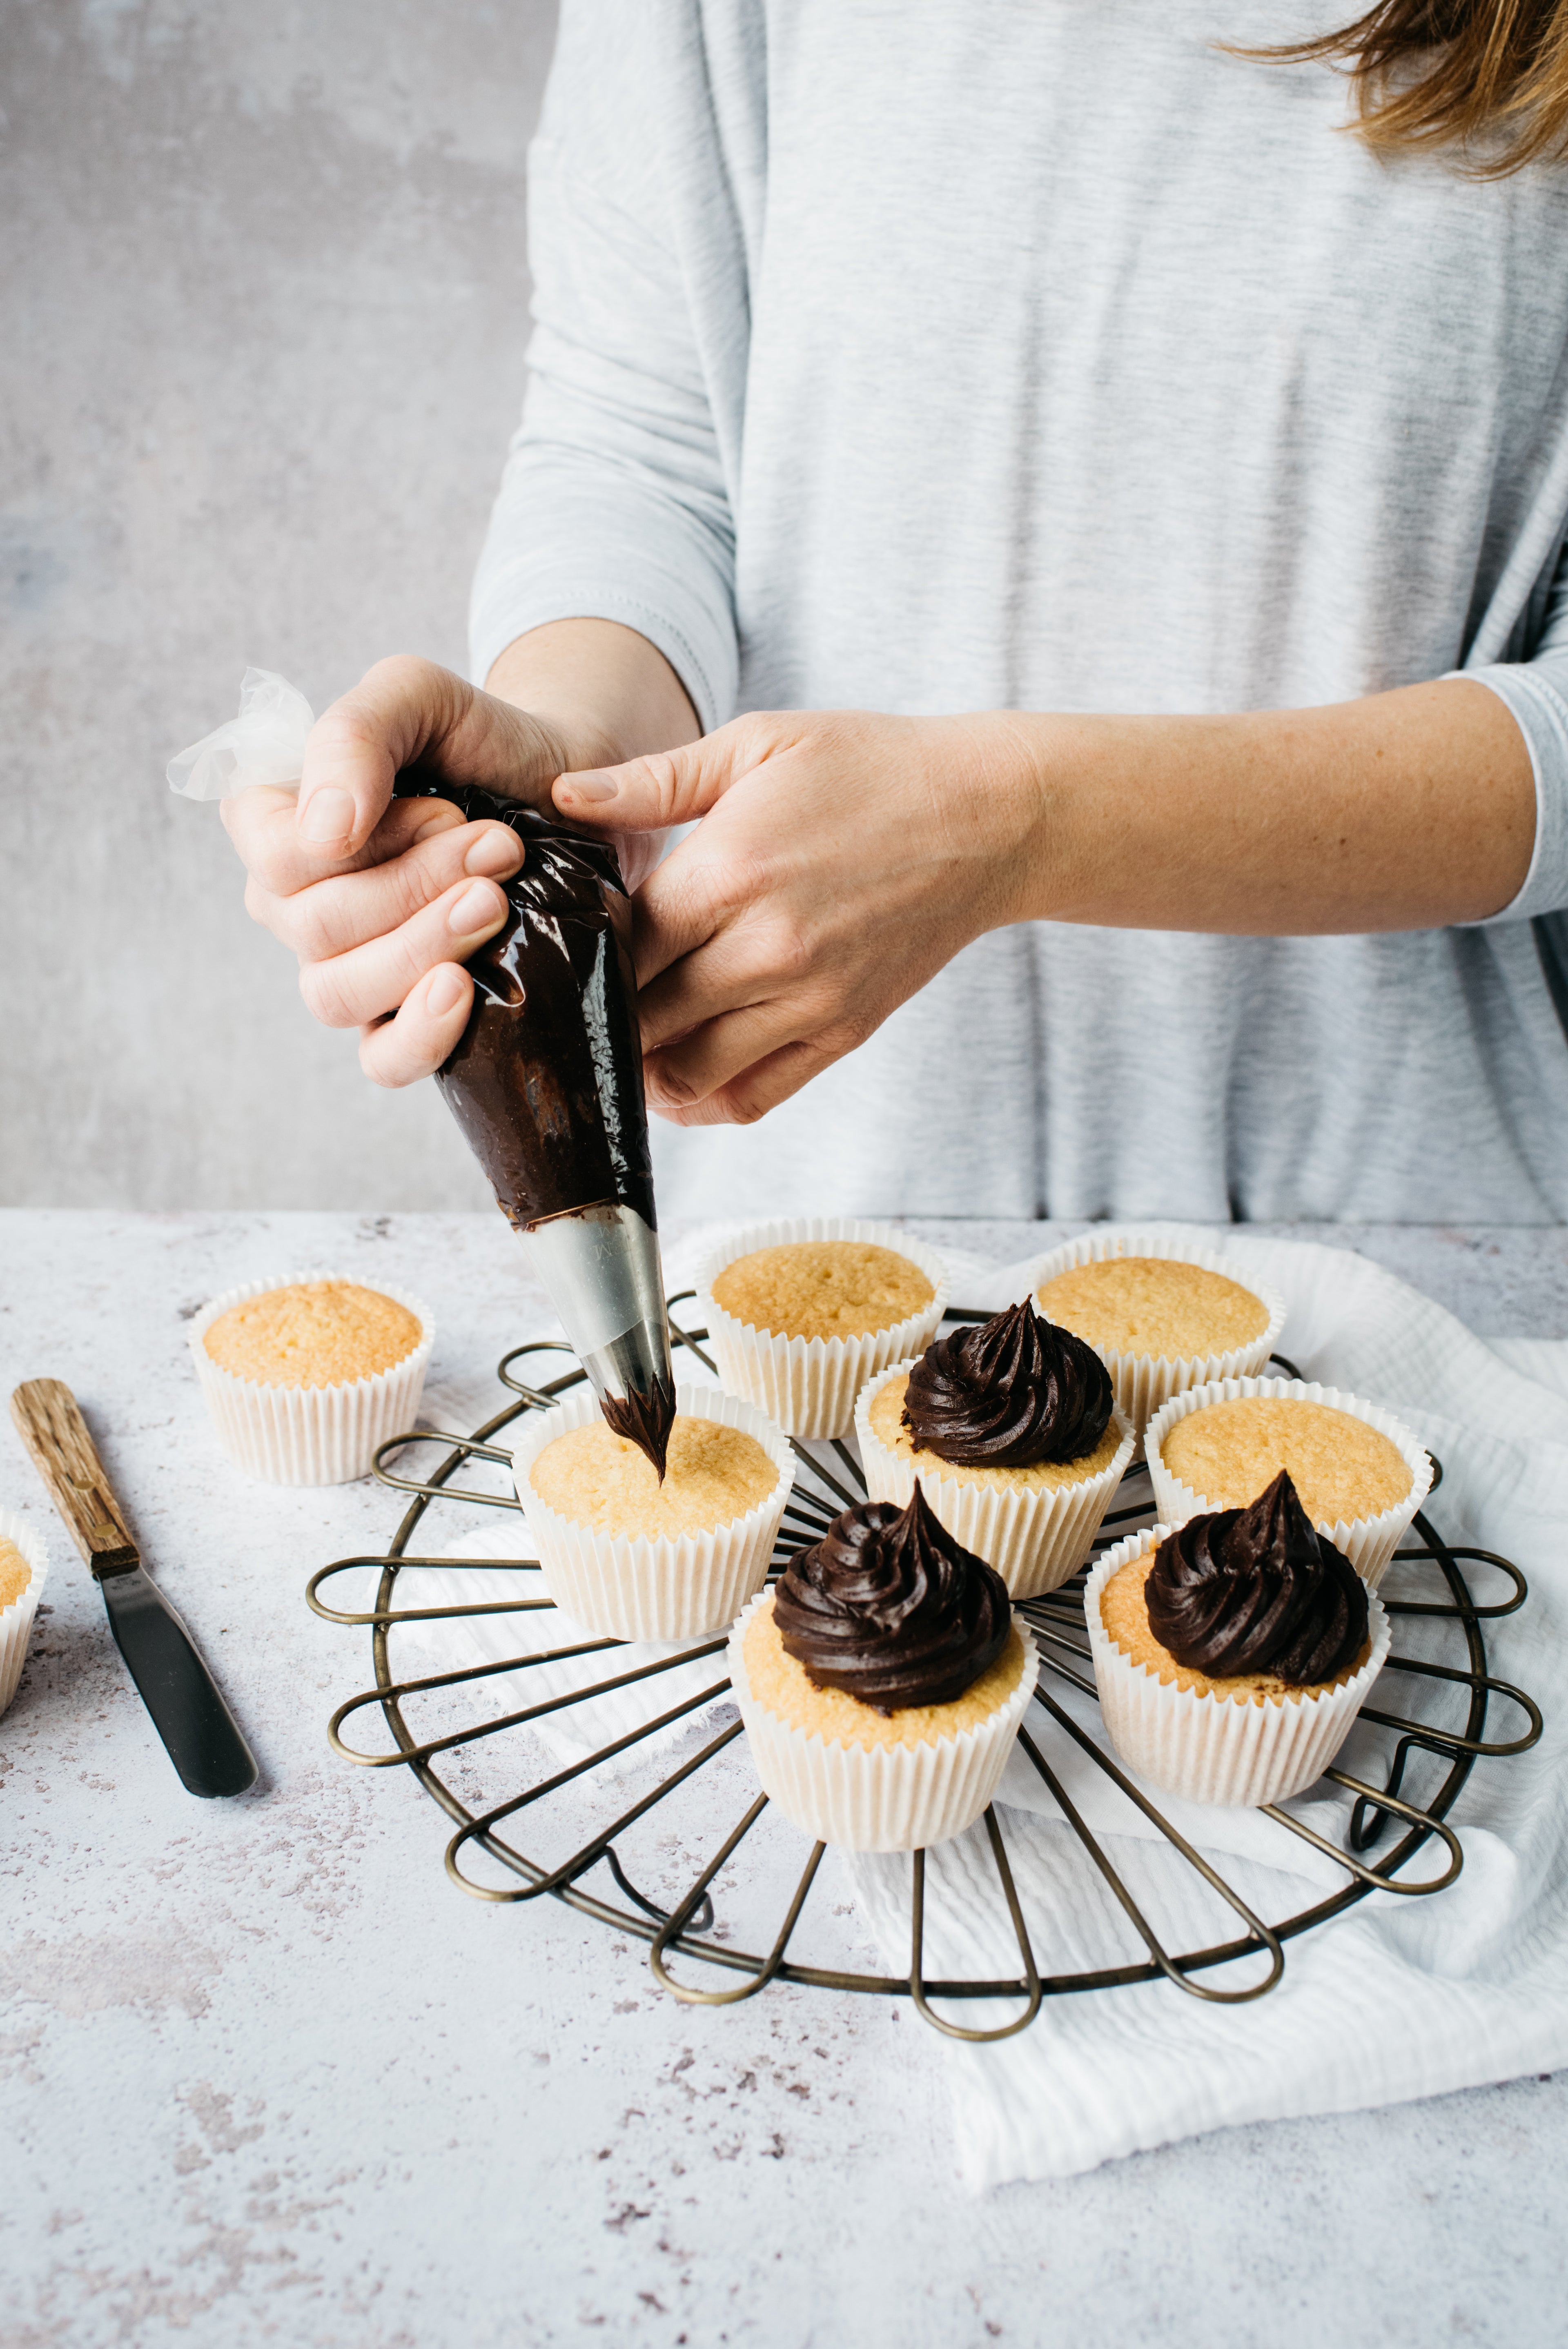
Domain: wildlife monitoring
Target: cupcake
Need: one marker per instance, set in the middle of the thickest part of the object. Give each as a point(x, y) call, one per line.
point(1012, 1430)
point(1232, 1655)
point(24, 1570)
point(882, 1682)
point(305, 1378)
point(1163, 1314)
point(629, 1557)
point(1360, 1473)
point(800, 1315)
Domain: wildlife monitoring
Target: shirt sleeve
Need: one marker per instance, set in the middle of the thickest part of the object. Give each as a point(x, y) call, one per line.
point(614, 503)
point(1536, 693)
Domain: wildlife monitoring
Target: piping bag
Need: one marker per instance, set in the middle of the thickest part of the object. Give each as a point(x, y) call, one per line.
point(545, 1081)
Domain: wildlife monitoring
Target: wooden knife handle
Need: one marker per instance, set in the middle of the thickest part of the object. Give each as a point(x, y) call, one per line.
point(49, 1421)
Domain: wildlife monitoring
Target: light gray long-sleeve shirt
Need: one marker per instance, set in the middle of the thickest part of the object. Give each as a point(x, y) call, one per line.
point(947, 355)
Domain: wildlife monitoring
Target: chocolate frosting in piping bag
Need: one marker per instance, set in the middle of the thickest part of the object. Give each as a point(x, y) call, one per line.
point(545, 1082)
point(889, 1608)
point(1008, 1393)
point(1257, 1590)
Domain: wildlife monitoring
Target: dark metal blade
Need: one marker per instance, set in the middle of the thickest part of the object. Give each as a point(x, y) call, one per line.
point(191, 1717)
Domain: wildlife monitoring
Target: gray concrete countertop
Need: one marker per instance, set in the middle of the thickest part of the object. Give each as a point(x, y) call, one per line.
point(270, 2078)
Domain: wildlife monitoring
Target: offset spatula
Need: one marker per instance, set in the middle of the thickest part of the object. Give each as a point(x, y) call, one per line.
point(201, 1733)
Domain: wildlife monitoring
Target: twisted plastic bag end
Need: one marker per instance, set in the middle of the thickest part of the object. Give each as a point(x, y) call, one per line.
point(264, 744)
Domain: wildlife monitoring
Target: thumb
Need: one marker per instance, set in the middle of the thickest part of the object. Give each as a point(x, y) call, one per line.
point(669, 787)
point(356, 747)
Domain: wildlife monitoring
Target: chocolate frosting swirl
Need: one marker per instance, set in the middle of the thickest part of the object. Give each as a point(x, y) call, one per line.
point(889, 1608)
point(1257, 1590)
point(1008, 1393)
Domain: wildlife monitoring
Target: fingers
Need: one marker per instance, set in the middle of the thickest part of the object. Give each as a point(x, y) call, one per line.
point(335, 915)
point(370, 980)
point(414, 1043)
point(711, 1058)
point(732, 968)
point(260, 823)
point(670, 786)
point(758, 1089)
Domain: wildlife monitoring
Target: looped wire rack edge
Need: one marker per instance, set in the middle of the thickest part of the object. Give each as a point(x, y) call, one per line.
point(829, 1479)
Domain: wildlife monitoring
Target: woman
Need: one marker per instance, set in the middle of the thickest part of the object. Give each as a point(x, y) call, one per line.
point(1190, 417)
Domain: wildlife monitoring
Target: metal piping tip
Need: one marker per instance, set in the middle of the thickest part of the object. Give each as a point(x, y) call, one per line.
point(601, 1267)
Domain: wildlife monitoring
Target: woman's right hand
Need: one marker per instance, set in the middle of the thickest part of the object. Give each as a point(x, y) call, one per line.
point(384, 900)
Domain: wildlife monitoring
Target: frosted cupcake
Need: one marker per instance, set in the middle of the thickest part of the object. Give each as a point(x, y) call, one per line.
point(1163, 1314)
point(24, 1569)
point(801, 1314)
point(1232, 1655)
point(882, 1682)
point(631, 1557)
point(1361, 1474)
point(1011, 1428)
point(305, 1378)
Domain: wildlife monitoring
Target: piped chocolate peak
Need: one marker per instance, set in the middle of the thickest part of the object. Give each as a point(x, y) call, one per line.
point(1257, 1590)
point(889, 1608)
point(645, 1420)
point(1008, 1393)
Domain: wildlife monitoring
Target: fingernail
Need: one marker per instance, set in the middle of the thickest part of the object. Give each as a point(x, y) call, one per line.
point(496, 852)
point(474, 910)
point(442, 821)
point(445, 990)
point(327, 815)
point(590, 787)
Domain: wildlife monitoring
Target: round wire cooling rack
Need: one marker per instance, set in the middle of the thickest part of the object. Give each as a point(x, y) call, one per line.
point(575, 1789)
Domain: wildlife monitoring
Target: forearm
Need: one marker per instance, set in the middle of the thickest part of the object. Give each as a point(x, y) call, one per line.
point(602, 690)
point(1407, 810)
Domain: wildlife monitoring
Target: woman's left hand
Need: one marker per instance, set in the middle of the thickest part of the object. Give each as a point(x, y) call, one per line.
point(844, 857)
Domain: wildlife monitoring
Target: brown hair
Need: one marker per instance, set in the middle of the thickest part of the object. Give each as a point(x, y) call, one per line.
point(1488, 76)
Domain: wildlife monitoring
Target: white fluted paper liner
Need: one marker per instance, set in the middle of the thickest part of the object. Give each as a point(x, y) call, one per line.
point(310, 1435)
point(632, 1586)
point(16, 1620)
point(879, 1797)
point(1144, 1381)
point(1033, 1539)
point(1367, 1542)
point(1219, 1749)
point(809, 1384)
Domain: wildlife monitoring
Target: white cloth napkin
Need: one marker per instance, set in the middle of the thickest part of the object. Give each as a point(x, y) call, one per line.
point(1397, 1998)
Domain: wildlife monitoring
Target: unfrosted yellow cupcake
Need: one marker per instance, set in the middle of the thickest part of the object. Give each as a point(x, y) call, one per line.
point(313, 1333)
point(303, 1378)
point(801, 1314)
point(823, 1289)
point(593, 1477)
point(630, 1558)
point(24, 1570)
point(1163, 1313)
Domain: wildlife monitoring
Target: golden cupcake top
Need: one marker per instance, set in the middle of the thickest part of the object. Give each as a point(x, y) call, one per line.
point(313, 1333)
point(596, 1478)
point(1342, 1468)
point(1037, 1476)
point(15, 1573)
point(1153, 1305)
point(823, 1289)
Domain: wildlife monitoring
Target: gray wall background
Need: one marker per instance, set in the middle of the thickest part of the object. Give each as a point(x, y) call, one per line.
point(264, 311)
